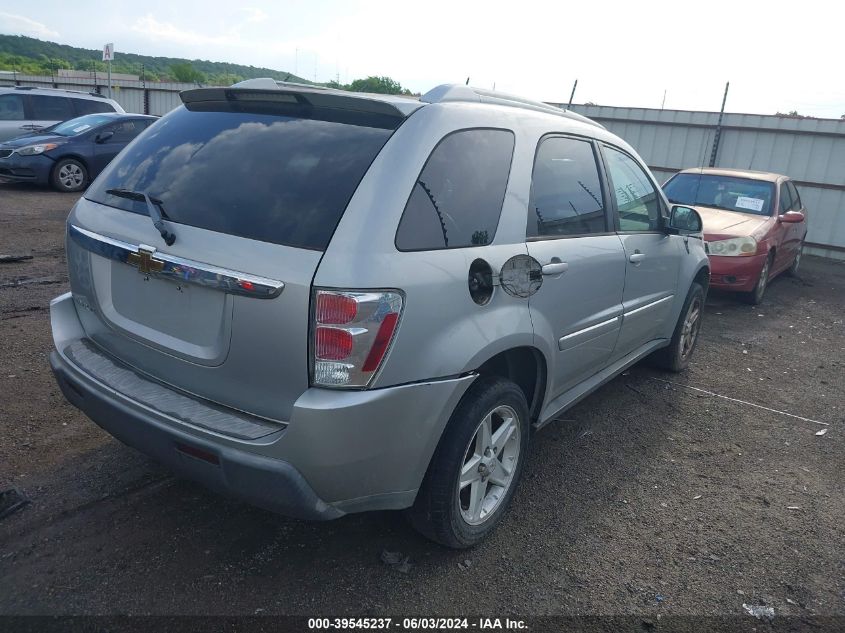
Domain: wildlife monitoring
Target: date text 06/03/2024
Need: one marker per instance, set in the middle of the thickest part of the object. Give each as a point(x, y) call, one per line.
point(413, 624)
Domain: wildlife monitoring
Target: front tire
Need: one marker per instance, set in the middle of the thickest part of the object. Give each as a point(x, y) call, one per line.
point(676, 356)
point(792, 271)
point(69, 175)
point(476, 466)
point(755, 297)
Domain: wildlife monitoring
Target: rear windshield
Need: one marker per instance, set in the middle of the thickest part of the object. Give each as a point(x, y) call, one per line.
point(721, 192)
point(281, 174)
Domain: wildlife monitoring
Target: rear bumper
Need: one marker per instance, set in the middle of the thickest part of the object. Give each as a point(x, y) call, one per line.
point(739, 274)
point(341, 451)
point(268, 483)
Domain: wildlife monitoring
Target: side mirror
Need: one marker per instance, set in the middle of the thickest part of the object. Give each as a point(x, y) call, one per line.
point(102, 137)
point(791, 217)
point(683, 220)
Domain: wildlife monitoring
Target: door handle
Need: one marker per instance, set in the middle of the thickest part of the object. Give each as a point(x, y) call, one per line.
point(556, 267)
point(636, 257)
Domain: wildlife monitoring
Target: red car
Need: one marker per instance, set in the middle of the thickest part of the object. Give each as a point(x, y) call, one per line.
point(754, 225)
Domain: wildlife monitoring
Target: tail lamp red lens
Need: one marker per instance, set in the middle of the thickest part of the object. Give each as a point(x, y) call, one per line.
point(352, 332)
point(383, 336)
point(333, 343)
point(335, 308)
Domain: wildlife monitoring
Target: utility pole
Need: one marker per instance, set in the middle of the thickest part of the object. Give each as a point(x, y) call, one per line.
point(718, 134)
point(572, 95)
point(663, 103)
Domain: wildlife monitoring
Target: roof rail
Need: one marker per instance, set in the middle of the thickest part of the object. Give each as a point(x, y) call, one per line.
point(76, 92)
point(460, 92)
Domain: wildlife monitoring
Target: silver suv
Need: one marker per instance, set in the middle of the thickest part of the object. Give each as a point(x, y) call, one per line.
point(324, 302)
point(25, 109)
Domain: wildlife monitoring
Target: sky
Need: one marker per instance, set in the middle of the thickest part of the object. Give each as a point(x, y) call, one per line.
point(777, 56)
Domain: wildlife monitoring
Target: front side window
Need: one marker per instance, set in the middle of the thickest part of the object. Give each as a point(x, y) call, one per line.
point(785, 199)
point(457, 199)
point(11, 108)
point(566, 196)
point(46, 108)
point(637, 202)
point(126, 131)
point(796, 199)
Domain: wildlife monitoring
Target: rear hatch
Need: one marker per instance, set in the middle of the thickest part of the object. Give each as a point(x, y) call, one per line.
point(252, 185)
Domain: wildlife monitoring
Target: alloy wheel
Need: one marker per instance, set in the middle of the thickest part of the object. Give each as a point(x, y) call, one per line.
point(689, 330)
point(489, 464)
point(760, 290)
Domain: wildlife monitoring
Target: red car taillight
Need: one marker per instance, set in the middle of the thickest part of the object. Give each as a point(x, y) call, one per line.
point(352, 332)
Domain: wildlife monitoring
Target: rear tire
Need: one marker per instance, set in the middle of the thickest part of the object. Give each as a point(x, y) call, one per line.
point(676, 356)
point(755, 297)
point(473, 474)
point(69, 175)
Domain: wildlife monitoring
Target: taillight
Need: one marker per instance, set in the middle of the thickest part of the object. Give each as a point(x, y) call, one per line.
point(351, 334)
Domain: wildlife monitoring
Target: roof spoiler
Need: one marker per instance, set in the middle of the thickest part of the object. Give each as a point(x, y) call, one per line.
point(269, 90)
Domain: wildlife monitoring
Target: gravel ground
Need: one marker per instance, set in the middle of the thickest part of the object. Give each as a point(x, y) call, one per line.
point(650, 498)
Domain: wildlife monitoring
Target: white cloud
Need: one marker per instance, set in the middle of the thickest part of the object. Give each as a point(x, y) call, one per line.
point(167, 31)
point(254, 14)
point(21, 25)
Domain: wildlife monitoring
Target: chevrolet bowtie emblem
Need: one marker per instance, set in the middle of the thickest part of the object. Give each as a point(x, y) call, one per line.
point(145, 261)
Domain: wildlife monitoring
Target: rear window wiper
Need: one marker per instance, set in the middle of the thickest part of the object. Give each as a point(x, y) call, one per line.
point(154, 208)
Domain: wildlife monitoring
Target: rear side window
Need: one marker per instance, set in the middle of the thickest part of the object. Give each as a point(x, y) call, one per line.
point(457, 198)
point(566, 196)
point(11, 108)
point(275, 173)
point(637, 202)
point(91, 106)
point(48, 108)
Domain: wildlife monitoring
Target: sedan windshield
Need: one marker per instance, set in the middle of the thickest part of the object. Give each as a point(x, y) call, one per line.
point(79, 125)
point(721, 192)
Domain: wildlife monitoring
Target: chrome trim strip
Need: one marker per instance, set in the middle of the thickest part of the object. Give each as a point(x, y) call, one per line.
point(177, 268)
point(570, 340)
point(648, 305)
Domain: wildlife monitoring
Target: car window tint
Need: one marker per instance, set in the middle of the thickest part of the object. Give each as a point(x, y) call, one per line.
point(11, 108)
point(125, 131)
point(566, 196)
point(637, 203)
point(785, 199)
point(457, 199)
point(796, 199)
point(276, 173)
point(49, 108)
point(91, 106)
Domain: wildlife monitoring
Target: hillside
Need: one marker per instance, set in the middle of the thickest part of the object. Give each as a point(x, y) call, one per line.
point(32, 56)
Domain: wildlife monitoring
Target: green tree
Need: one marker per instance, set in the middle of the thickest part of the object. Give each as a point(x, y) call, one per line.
point(379, 85)
point(186, 73)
